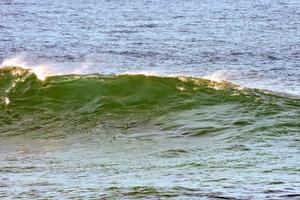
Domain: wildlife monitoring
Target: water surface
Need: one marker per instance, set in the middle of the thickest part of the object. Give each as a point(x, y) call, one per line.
point(125, 100)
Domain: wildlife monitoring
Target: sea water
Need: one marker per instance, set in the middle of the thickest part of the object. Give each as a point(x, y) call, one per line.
point(149, 99)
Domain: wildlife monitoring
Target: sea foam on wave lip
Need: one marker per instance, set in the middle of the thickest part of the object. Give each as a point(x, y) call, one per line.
point(41, 71)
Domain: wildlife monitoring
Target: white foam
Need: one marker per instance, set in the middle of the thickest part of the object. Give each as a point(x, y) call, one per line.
point(6, 101)
point(41, 71)
point(146, 73)
point(217, 76)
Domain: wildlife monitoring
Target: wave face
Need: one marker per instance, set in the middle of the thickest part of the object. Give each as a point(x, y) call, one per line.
point(138, 105)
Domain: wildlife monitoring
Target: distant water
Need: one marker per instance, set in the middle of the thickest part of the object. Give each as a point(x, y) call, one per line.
point(149, 99)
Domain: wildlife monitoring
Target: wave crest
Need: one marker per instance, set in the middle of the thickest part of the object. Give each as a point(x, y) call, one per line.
point(81, 102)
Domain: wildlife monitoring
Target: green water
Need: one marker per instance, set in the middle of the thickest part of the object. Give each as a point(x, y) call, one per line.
point(179, 105)
point(137, 136)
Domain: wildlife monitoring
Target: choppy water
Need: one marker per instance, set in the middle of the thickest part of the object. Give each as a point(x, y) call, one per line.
point(86, 123)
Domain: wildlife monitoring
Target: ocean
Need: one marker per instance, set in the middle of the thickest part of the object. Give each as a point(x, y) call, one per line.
point(148, 99)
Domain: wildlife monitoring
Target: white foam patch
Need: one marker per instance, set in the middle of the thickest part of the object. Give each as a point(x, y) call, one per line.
point(41, 71)
point(217, 76)
point(146, 73)
point(6, 101)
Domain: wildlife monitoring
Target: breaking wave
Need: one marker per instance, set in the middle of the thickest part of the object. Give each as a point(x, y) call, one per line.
point(138, 105)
